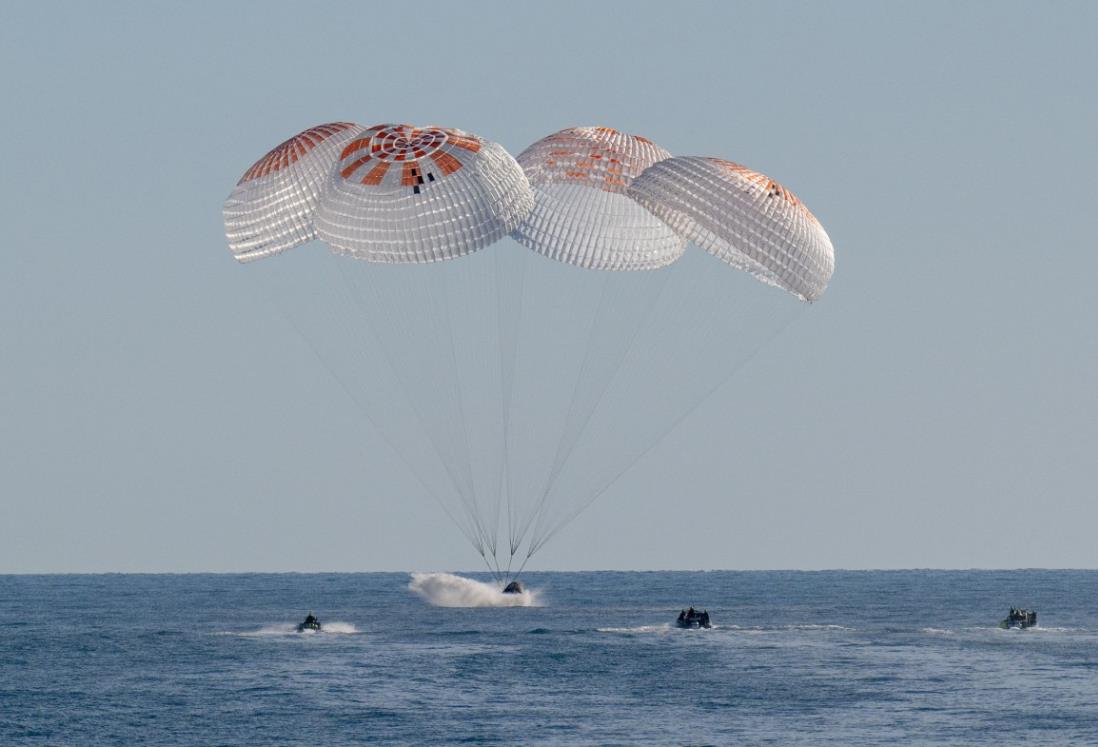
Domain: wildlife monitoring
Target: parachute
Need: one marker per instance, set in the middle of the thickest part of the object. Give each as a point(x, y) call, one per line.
point(274, 203)
point(745, 218)
point(518, 386)
point(581, 214)
point(403, 194)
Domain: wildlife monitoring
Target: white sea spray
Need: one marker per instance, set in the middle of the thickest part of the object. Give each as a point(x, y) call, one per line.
point(448, 590)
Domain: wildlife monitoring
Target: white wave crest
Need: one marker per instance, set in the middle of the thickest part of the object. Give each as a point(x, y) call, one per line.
point(448, 590)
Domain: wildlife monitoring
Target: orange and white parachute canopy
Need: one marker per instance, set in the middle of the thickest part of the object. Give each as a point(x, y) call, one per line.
point(274, 203)
point(588, 196)
point(402, 194)
point(743, 217)
point(581, 212)
point(388, 193)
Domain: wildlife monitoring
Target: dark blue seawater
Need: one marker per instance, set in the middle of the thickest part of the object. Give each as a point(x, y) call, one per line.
point(847, 658)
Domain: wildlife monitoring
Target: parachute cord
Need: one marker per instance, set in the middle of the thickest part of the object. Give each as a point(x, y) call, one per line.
point(601, 391)
point(508, 382)
point(580, 378)
point(539, 542)
point(571, 408)
point(364, 411)
point(492, 333)
point(365, 314)
point(667, 328)
point(494, 571)
point(395, 321)
point(525, 560)
point(575, 286)
point(459, 396)
point(606, 385)
point(506, 387)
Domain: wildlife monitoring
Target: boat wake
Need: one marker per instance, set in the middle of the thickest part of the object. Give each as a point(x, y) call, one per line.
point(448, 590)
point(661, 628)
point(287, 629)
point(995, 631)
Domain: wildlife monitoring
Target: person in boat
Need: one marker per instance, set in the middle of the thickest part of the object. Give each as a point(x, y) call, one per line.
point(311, 623)
point(705, 618)
point(682, 616)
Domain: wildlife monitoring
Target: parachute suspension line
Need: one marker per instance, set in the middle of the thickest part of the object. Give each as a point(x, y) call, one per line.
point(363, 410)
point(670, 326)
point(509, 346)
point(442, 304)
point(566, 305)
point(349, 333)
point(653, 443)
point(492, 336)
point(568, 443)
point(473, 533)
point(602, 386)
point(497, 576)
point(507, 351)
point(393, 321)
point(580, 378)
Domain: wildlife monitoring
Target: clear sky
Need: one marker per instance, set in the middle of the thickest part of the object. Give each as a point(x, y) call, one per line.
point(937, 408)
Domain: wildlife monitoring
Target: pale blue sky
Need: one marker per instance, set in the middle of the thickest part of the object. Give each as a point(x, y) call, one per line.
point(937, 408)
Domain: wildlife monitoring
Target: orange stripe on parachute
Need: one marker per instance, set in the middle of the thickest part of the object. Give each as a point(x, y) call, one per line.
point(461, 141)
point(376, 173)
point(446, 163)
point(290, 150)
point(352, 168)
point(768, 185)
point(353, 146)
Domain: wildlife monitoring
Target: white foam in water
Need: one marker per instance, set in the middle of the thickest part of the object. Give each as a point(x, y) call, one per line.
point(937, 631)
point(282, 629)
point(448, 590)
point(339, 628)
point(662, 628)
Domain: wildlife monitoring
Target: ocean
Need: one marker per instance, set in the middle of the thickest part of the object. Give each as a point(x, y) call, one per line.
point(795, 658)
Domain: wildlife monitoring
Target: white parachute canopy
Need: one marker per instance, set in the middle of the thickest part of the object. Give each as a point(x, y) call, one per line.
point(518, 388)
point(745, 218)
point(273, 206)
point(405, 194)
point(581, 213)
